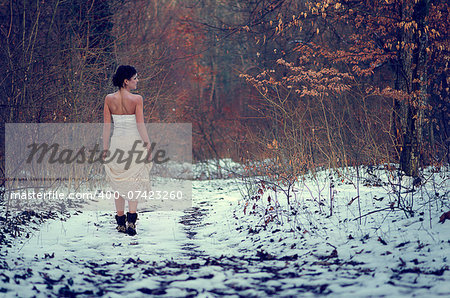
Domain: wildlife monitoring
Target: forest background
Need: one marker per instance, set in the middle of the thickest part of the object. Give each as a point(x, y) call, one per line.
point(304, 84)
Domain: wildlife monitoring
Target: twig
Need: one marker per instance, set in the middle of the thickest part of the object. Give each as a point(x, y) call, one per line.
point(373, 211)
point(331, 245)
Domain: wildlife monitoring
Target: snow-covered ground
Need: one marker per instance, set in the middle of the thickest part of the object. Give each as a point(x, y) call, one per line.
point(214, 248)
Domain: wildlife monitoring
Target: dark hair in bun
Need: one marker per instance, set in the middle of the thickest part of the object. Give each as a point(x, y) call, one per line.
point(124, 72)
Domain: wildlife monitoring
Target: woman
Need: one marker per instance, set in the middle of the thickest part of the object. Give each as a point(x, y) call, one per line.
point(127, 180)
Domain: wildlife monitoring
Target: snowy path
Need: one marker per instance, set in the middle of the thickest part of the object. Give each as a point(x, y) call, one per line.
point(201, 251)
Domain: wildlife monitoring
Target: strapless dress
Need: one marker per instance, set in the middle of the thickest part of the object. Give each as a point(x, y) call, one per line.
point(128, 176)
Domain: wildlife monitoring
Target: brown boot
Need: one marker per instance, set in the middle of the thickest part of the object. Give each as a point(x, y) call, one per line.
point(131, 223)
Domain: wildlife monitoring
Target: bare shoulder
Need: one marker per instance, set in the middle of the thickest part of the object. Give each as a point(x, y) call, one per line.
point(137, 97)
point(111, 96)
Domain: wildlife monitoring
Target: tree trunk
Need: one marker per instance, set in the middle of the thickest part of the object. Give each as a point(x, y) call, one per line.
point(415, 70)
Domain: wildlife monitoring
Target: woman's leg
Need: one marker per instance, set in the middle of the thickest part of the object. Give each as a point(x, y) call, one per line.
point(132, 206)
point(120, 206)
point(120, 217)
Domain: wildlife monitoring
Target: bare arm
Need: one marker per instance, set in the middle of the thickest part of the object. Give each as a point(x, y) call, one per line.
point(140, 122)
point(106, 125)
